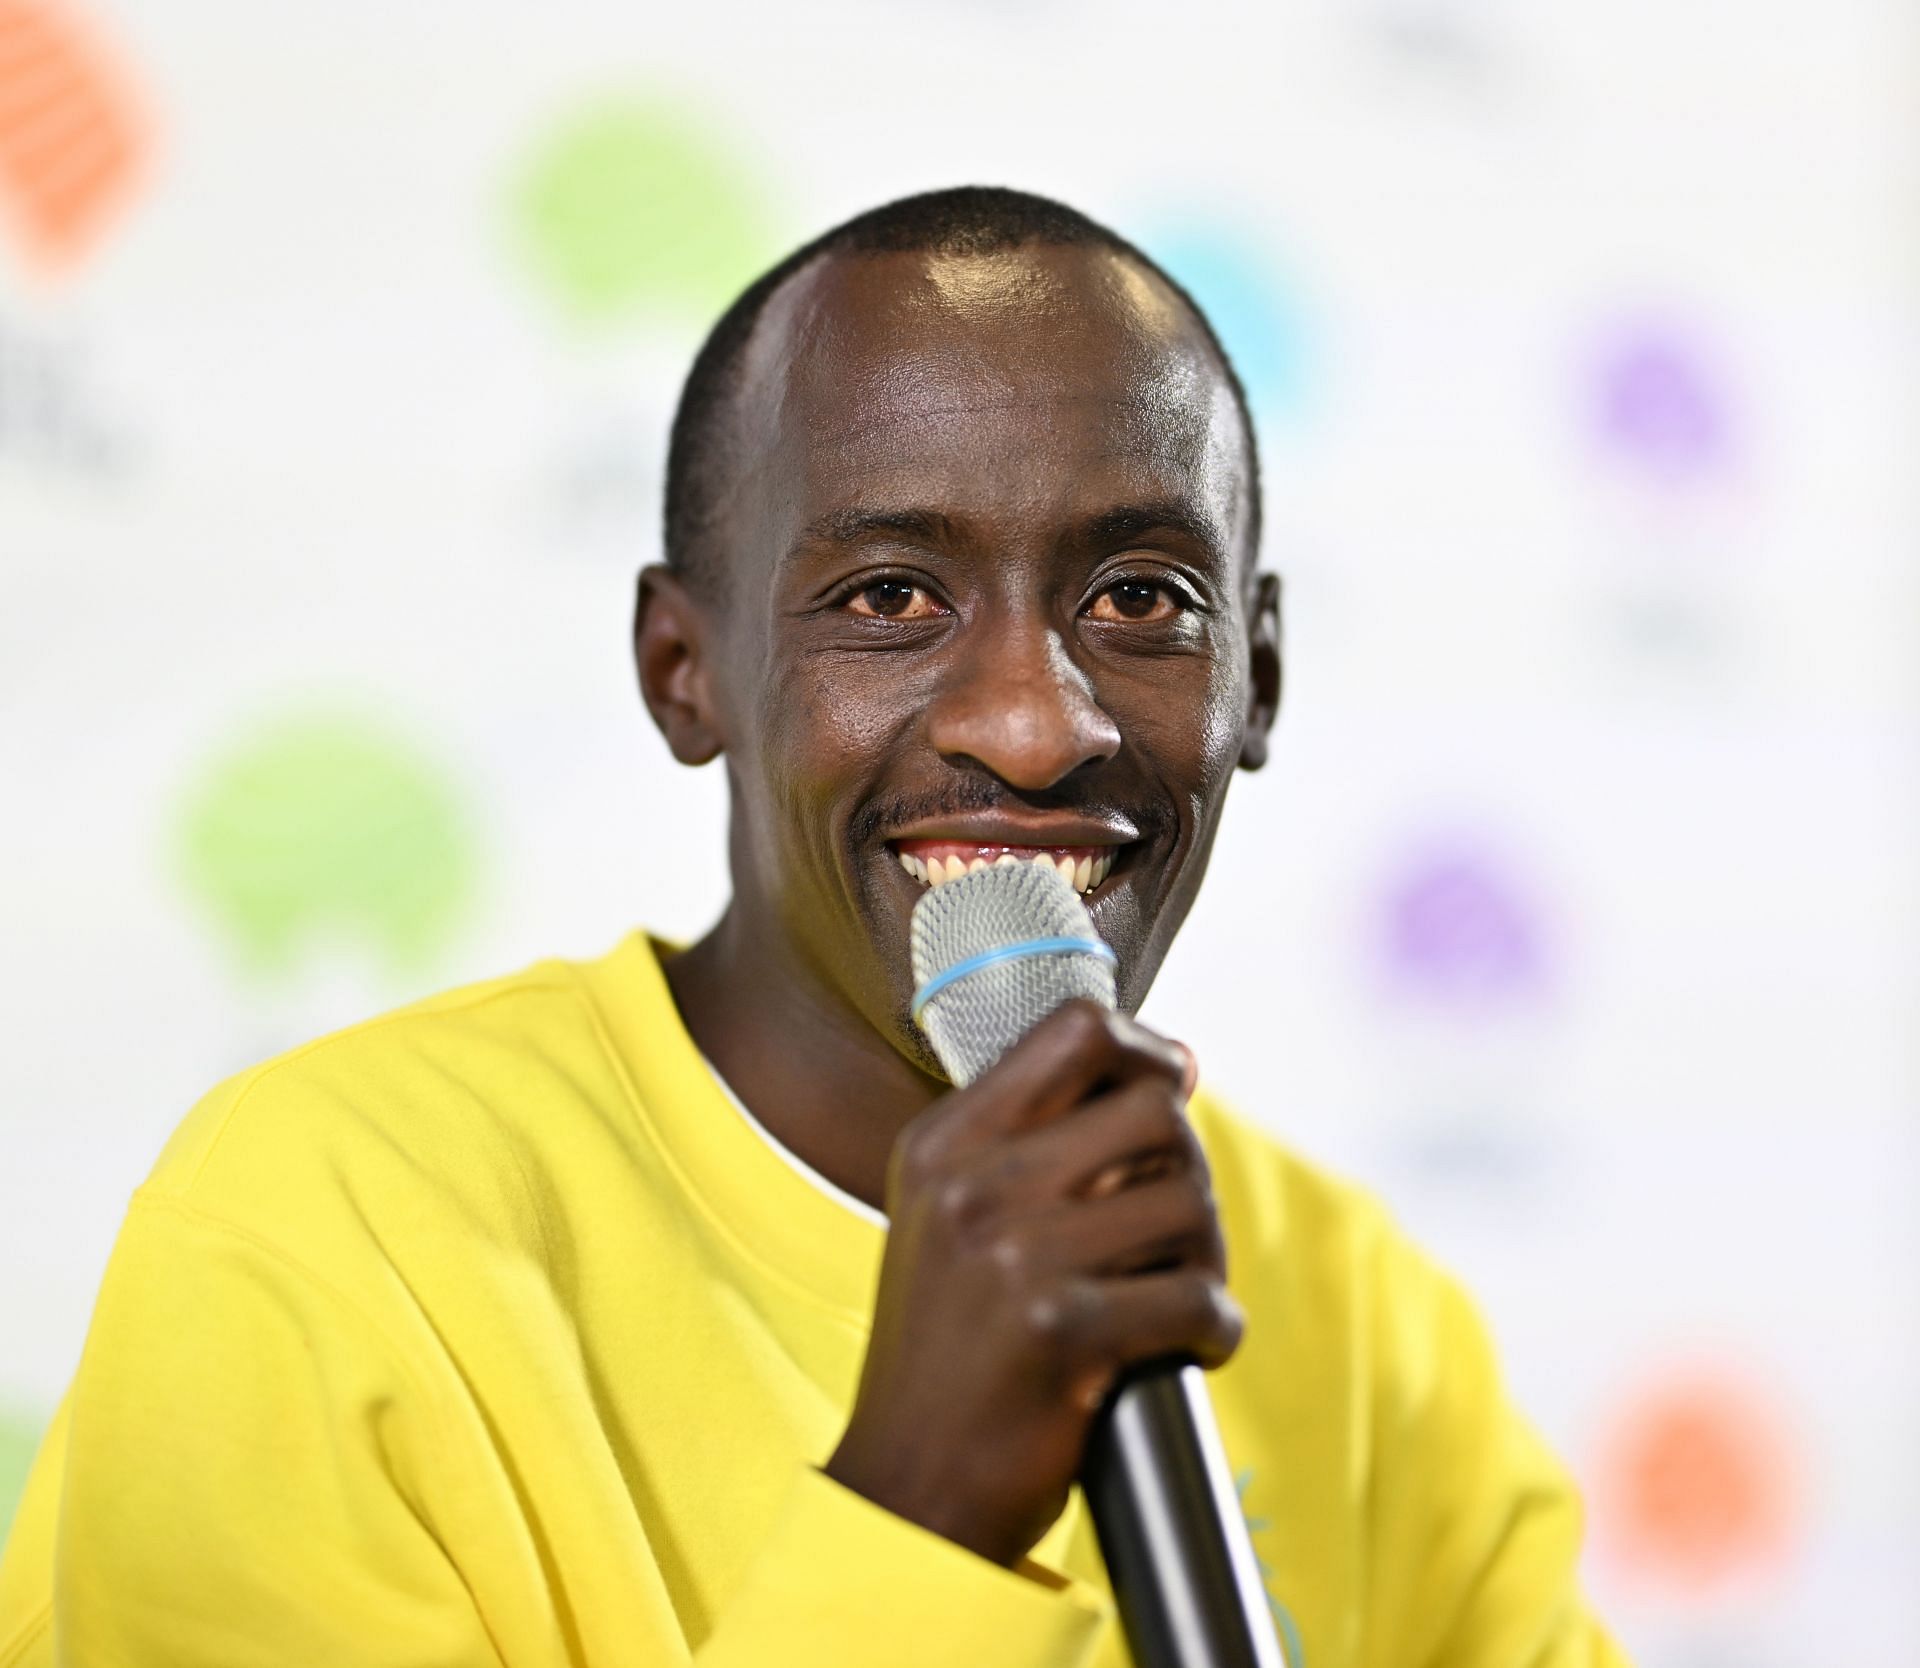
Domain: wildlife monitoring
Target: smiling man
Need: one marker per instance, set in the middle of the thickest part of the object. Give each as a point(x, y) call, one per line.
point(671, 1307)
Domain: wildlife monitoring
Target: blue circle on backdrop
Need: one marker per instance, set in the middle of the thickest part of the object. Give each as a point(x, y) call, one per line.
point(1253, 307)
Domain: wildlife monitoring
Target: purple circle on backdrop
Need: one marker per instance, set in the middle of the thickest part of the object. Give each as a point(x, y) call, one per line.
point(1660, 407)
point(1458, 928)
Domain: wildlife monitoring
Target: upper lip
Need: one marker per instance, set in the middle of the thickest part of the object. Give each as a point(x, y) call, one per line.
point(1040, 830)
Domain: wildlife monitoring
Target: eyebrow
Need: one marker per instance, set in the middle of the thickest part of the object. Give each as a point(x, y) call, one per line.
point(850, 526)
point(1172, 515)
point(1114, 526)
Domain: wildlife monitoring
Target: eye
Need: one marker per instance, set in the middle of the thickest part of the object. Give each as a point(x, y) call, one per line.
point(1140, 602)
point(893, 599)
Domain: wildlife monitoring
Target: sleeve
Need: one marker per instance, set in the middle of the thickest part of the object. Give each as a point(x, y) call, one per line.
point(842, 1583)
point(1476, 1526)
point(253, 1477)
point(240, 1471)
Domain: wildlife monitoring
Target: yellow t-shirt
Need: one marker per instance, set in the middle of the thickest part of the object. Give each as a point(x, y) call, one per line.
point(491, 1332)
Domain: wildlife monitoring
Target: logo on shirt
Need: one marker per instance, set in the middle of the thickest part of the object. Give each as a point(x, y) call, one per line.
point(1282, 1617)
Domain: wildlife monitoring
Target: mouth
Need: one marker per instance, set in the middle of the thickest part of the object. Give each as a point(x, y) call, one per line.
point(934, 862)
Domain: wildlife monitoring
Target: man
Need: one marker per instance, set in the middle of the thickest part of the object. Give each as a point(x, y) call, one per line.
point(670, 1307)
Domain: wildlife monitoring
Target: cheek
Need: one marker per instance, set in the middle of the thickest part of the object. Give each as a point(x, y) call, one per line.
point(1228, 688)
point(825, 729)
point(1190, 728)
point(1225, 727)
point(826, 722)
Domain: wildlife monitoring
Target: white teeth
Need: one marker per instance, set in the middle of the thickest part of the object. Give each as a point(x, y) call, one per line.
point(1083, 875)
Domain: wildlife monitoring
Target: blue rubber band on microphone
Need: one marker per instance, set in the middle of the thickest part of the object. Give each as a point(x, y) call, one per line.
point(1007, 952)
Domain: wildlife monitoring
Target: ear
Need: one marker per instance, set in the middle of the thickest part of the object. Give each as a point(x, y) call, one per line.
point(670, 651)
point(1264, 667)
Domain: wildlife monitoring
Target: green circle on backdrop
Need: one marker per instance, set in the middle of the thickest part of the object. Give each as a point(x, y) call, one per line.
point(324, 827)
point(634, 206)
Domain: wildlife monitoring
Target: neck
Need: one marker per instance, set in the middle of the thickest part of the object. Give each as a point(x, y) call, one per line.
point(812, 1070)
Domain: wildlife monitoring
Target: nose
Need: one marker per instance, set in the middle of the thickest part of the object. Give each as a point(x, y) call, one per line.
point(1016, 704)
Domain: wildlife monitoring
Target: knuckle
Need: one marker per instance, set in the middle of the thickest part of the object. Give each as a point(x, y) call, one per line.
point(1147, 1045)
point(1197, 1198)
point(1166, 1122)
point(1189, 1161)
point(1213, 1250)
point(1044, 1317)
point(1012, 1256)
point(961, 1200)
point(1055, 1316)
point(1197, 1165)
point(1008, 1165)
point(1087, 1024)
point(1188, 1227)
point(1222, 1321)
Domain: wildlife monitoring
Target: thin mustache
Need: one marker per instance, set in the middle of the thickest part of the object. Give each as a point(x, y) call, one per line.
point(1152, 817)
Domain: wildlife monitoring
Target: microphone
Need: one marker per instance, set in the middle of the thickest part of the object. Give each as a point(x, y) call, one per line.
point(995, 952)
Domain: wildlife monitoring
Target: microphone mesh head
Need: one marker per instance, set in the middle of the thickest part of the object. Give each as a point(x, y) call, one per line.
point(980, 1015)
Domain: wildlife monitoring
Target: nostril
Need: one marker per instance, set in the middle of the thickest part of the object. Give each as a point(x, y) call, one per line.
point(1030, 732)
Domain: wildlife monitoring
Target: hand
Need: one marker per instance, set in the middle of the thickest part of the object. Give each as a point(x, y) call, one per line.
point(1051, 1224)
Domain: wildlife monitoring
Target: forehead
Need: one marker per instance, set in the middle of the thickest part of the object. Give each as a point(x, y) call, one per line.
point(1031, 376)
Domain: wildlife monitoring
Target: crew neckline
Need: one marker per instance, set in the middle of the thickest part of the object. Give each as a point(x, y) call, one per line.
point(806, 1171)
point(747, 1187)
point(756, 1194)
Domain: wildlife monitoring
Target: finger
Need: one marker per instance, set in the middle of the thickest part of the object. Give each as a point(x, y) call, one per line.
point(1118, 1323)
point(1076, 1050)
point(1131, 1173)
point(1190, 1076)
point(1108, 1141)
point(1170, 1222)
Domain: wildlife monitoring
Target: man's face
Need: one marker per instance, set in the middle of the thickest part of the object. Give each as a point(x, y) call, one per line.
point(987, 595)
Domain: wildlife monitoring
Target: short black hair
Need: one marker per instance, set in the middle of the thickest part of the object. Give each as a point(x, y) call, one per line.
point(964, 220)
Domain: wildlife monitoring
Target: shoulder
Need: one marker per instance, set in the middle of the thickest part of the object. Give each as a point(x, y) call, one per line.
point(1330, 1252)
point(445, 1095)
point(1272, 1196)
point(1322, 1267)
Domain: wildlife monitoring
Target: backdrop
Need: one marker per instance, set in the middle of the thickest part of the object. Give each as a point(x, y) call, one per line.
point(1576, 913)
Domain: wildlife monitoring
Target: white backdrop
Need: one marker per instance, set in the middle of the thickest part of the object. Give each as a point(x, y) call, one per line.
point(1577, 911)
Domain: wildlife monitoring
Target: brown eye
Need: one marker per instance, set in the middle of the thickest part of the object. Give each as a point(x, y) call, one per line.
point(893, 599)
point(1136, 600)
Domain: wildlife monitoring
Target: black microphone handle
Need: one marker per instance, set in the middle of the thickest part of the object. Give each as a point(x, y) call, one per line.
point(1171, 1530)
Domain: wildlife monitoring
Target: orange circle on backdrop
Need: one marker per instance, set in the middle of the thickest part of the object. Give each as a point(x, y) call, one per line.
point(1697, 1482)
point(74, 135)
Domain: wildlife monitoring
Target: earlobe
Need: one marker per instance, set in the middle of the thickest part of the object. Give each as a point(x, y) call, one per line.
point(670, 654)
point(1264, 668)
